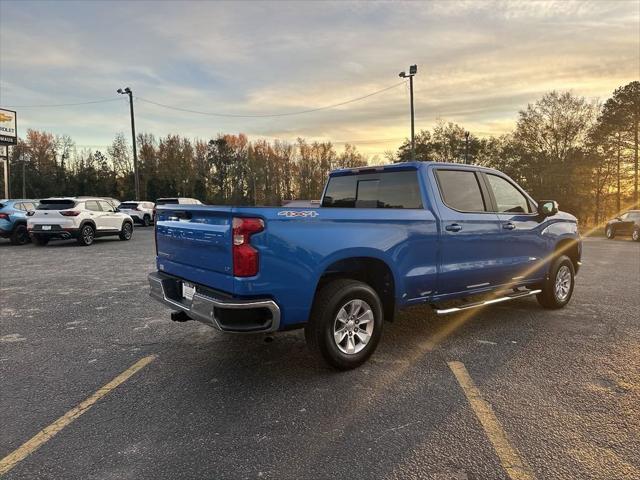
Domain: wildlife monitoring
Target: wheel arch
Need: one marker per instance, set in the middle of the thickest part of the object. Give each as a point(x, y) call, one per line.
point(371, 270)
point(571, 248)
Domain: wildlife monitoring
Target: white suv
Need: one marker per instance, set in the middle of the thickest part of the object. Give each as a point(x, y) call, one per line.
point(140, 212)
point(82, 218)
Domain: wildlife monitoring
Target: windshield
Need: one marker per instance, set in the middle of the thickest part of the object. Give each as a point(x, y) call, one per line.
point(56, 204)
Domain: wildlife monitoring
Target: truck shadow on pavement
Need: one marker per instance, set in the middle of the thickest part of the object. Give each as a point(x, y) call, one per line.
point(245, 394)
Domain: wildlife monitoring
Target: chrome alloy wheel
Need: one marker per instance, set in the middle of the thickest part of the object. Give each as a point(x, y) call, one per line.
point(353, 326)
point(563, 283)
point(635, 236)
point(87, 234)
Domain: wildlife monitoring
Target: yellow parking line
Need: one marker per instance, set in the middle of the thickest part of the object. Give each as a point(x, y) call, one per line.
point(509, 458)
point(44, 435)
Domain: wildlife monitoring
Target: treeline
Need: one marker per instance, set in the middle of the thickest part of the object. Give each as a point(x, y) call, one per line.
point(228, 169)
point(582, 153)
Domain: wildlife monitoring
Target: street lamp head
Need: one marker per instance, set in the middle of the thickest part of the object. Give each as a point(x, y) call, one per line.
point(127, 90)
point(120, 91)
point(413, 69)
point(402, 75)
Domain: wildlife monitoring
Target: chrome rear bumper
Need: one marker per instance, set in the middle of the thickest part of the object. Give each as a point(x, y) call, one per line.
point(224, 313)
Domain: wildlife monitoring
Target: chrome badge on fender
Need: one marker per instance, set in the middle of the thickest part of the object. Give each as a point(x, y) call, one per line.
point(298, 213)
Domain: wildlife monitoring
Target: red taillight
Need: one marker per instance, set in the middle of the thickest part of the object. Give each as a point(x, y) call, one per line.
point(70, 213)
point(4, 216)
point(245, 257)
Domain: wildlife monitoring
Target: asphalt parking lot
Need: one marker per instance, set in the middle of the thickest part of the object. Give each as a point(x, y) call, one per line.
point(563, 386)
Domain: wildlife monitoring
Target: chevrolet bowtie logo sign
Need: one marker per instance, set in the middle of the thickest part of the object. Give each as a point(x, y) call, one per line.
point(5, 118)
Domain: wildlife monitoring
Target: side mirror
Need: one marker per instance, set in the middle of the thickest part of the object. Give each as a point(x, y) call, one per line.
point(547, 208)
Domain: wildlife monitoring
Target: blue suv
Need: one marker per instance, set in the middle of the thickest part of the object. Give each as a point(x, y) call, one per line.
point(13, 220)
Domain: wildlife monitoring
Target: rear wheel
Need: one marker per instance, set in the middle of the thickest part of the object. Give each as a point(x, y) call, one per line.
point(87, 235)
point(146, 220)
point(20, 235)
point(558, 288)
point(346, 323)
point(127, 231)
point(609, 232)
point(635, 236)
point(40, 240)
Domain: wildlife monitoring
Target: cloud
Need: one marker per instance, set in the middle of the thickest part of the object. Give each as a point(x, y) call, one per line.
point(479, 63)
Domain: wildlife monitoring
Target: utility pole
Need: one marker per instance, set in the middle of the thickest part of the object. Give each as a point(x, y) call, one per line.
point(466, 148)
point(24, 182)
point(127, 91)
point(413, 69)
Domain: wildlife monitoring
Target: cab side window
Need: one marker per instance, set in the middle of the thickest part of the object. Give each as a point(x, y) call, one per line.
point(460, 190)
point(508, 198)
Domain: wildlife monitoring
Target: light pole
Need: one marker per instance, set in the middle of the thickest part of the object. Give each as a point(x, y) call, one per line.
point(127, 91)
point(413, 69)
point(466, 148)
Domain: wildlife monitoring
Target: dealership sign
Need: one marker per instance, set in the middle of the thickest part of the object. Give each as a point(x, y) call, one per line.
point(8, 130)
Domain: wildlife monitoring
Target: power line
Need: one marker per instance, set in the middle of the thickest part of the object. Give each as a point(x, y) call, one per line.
point(66, 104)
point(268, 115)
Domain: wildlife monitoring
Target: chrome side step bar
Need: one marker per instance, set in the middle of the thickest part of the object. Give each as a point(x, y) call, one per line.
point(444, 311)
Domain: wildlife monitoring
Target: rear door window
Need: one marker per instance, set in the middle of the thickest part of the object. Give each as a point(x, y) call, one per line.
point(92, 205)
point(460, 190)
point(374, 190)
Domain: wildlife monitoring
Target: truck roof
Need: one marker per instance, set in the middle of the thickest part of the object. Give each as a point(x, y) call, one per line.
point(404, 166)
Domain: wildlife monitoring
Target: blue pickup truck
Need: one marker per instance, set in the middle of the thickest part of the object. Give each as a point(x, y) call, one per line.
point(383, 238)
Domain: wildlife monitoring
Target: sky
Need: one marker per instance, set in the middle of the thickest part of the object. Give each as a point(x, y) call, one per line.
point(479, 63)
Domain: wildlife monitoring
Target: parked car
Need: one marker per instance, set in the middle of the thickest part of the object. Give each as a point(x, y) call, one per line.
point(383, 238)
point(626, 224)
point(82, 218)
point(140, 212)
point(13, 219)
point(175, 201)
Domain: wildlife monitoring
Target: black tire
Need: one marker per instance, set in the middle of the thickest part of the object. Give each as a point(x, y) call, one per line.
point(610, 232)
point(552, 297)
point(146, 220)
point(635, 236)
point(127, 231)
point(40, 240)
point(20, 235)
point(320, 329)
point(87, 235)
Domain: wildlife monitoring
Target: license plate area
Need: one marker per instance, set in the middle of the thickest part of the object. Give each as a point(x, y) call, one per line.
point(188, 290)
point(45, 227)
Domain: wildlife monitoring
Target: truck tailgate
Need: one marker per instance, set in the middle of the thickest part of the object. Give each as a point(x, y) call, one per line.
point(194, 242)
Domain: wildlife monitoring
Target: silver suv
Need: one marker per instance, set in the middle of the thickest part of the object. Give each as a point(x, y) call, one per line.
point(82, 218)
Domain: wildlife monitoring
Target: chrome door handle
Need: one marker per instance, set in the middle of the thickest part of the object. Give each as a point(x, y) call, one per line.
point(508, 226)
point(454, 227)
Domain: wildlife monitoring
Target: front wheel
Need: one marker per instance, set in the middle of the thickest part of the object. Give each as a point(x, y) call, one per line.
point(127, 231)
point(558, 288)
point(346, 323)
point(20, 235)
point(146, 220)
point(609, 232)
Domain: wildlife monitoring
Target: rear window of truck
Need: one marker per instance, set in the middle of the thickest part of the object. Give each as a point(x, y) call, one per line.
point(374, 190)
point(56, 204)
